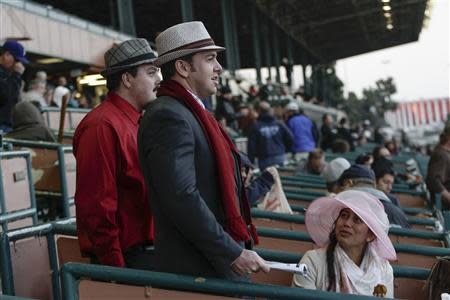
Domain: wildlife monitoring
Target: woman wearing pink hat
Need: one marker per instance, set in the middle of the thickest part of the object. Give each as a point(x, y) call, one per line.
point(352, 230)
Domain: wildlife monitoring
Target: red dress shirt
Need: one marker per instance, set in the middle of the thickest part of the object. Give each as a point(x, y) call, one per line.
point(112, 206)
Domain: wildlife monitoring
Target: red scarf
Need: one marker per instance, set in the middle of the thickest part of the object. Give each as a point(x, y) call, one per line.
point(222, 147)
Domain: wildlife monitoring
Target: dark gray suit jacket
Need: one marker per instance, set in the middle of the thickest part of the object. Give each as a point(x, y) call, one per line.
point(179, 169)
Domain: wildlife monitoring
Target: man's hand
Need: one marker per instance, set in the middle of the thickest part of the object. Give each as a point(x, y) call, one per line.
point(249, 262)
point(19, 68)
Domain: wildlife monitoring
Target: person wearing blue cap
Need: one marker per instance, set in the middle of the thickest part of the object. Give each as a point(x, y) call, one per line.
point(12, 61)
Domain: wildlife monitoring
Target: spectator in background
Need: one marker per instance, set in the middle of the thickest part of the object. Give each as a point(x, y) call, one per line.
point(340, 146)
point(255, 186)
point(114, 219)
point(361, 178)
point(378, 136)
point(344, 132)
point(12, 60)
point(364, 159)
point(268, 91)
point(385, 176)
point(392, 147)
point(438, 174)
point(269, 139)
point(36, 93)
point(331, 173)
point(225, 108)
point(381, 151)
point(41, 75)
point(303, 129)
point(59, 93)
point(48, 95)
point(248, 120)
point(28, 124)
point(352, 230)
point(313, 165)
point(327, 132)
point(288, 65)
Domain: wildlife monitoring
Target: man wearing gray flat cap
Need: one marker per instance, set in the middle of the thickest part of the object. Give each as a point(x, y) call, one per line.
point(114, 220)
point(202, 217)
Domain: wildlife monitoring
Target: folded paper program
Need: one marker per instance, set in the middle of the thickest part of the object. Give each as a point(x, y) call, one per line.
point(301, 269)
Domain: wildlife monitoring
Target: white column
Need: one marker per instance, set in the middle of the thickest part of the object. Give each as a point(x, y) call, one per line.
point(423, 108)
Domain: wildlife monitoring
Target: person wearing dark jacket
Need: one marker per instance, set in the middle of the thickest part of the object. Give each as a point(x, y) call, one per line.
point(385, 177)
point(360, 177)
point(438, 174)
point(12, 61)
point(269, 139)
point(344, 133)
point(202, 216)
point(28, 124)
point(225, 108)
point(255, 186)
point(327, 132)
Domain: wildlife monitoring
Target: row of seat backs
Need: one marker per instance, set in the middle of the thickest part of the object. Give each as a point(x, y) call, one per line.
point(17, 196)
point(288, 177)
point(52, 116)
point(54, 170)
point(316, 181)
point(155, 285)
point(31, 258)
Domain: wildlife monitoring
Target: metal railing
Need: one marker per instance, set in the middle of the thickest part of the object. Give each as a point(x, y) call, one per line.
point(8, 217)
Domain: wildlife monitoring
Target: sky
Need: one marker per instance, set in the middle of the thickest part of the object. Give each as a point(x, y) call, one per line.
point(420, 69)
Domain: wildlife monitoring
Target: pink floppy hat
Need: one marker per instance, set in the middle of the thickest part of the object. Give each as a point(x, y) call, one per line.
point(323, 212)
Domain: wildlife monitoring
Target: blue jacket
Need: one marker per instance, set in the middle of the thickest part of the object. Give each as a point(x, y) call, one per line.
point(303, 130)
point(268, 137)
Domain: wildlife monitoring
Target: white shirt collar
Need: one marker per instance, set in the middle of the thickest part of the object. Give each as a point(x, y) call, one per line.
point(197, 99)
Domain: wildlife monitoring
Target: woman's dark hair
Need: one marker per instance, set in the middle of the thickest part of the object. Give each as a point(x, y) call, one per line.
point(330, 261)
point(113, 80)
point(168, 69)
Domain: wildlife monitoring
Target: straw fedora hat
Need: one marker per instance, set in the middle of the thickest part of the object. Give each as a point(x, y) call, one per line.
point(323, 212)
point(183, 39)
point(127, 54)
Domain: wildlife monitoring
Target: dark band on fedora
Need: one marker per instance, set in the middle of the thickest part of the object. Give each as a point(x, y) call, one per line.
point(193, 45)
point(146, 56)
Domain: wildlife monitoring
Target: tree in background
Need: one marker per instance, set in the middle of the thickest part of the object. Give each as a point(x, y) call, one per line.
point(375, 101)
point(327, 87)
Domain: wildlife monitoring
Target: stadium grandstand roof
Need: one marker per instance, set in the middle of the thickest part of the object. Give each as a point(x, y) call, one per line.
point(334, 29)
point(321, 30)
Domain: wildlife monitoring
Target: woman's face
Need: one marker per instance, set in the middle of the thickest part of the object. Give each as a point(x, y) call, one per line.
point(351, 231)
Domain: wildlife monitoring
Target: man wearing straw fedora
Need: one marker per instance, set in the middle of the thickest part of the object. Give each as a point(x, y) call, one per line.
point(114, 221)
point(202, 217)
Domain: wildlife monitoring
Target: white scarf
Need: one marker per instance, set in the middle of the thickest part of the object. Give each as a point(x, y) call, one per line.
point(354, 279)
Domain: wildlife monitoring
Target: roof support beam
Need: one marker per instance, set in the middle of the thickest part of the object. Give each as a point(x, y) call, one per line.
point(256, 42)
point(266, 43)
point(229, 30)
point(276, 51)
point(362, 24)
point(126, 17)
point(280, 18)
point(187, 12)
